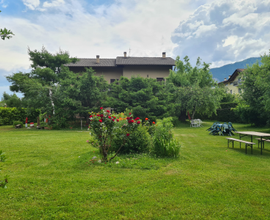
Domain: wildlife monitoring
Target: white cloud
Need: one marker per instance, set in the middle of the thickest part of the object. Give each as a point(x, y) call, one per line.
point(31, 4)
point(226, 31)
point(54, 3)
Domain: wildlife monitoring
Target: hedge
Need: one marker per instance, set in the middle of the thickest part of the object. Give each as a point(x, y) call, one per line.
point(8, 115)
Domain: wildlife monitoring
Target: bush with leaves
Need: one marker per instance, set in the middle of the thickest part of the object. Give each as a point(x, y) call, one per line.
point(139, 141)
point(164, 144)
point(104, 126)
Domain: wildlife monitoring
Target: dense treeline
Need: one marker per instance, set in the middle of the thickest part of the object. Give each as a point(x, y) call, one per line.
point(53, 88)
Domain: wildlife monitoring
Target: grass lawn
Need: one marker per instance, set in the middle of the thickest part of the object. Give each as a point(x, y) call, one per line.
point(50, 178)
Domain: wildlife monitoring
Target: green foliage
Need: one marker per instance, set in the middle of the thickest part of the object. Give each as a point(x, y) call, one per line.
point(145, 96)
point(104, 126)
point(164, 144)
point(51, 87)
point(5, 33)
point(139, 141)
point(192, 89)
point(11, 100)
point(16, 123)
point(8, 115)
point(256, 95)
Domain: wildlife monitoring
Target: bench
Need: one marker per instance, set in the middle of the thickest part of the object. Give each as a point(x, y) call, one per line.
point(263, 140)
point(247, 143)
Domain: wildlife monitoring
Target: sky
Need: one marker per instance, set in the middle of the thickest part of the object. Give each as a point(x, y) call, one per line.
point(219, 32)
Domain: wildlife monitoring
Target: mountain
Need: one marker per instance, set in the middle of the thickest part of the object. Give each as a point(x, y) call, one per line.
point(224, 71)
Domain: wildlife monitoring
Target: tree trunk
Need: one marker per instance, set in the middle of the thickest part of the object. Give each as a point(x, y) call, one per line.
point(182, 116)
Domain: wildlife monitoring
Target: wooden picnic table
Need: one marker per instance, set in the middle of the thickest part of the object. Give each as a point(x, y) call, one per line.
point(251, 134)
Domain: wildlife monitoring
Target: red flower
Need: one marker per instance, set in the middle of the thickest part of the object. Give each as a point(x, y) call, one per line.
point(128, 134)
point(136, 119)
point(130, 121)
point(101, 115)
point(101, 107)
point(117, 120)
point(128, 118)
point(130, 113)
point(146, 119)
point(108, 111)
point(100, 120)
point(97, 114)
point(154, 122)
point(90, 116)
point(112, 119)
point(109, 117)
point(138, 122)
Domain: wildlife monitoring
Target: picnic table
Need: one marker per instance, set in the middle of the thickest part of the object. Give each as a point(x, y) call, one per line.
point(261, 135)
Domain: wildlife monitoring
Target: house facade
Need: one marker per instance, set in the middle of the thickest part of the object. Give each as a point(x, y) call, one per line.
point(233, 82)
point(112, 69)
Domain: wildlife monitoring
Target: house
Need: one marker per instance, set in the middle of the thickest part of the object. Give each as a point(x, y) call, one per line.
point(233, 82)
point(112, 69)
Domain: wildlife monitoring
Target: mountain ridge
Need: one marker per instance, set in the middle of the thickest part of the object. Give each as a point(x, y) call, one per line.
point(222, 72)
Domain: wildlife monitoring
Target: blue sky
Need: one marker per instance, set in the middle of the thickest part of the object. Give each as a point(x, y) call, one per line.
point(220, 32)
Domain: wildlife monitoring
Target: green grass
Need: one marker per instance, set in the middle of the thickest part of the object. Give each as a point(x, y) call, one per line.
point(51, 177)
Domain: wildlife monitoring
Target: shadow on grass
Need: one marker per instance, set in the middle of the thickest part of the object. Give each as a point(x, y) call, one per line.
point(93, 159)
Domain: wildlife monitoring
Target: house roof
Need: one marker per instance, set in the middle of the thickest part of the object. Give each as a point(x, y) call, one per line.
point(167, 61)
point(233, 76)
point(90, 62)
point(123, 61)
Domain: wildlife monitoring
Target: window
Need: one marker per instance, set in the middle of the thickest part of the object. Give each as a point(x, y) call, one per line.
point(239, 90)
point(231, 91)
point(239, 81)
point(235, 83)
point(160, 79)
point(112, 80)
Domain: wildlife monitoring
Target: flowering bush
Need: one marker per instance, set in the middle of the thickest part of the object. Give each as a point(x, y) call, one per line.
point(139, 141)
point(105, 125)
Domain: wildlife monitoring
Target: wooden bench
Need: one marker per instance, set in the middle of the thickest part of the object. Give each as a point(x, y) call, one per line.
point(263, 140)
point(247, 143)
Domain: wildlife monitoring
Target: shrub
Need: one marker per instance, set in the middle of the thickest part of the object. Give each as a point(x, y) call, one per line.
point(104, 126)
point(138, 141)
point(16, 123)
point(164, 145)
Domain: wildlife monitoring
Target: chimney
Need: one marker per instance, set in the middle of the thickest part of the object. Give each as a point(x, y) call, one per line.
point(125, 54)
point(225, 79)
point(229, 77)
point(97, 61)
point(163, 54)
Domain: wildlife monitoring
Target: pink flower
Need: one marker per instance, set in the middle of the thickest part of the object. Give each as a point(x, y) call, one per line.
point(87, 141)
point(112, 119)
point(101, 108)
point(108, 111)
point(117, 120)
point(128, 134)
point(130, 113)
point(109, 117)
point(138, 122)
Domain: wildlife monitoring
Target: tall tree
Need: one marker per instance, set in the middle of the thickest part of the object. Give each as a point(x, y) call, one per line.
point(11, 100)
point(192, 89)
point(256, 95)
point(51, 87)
